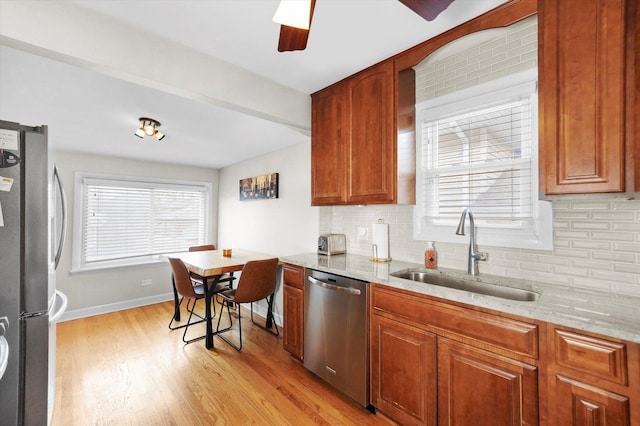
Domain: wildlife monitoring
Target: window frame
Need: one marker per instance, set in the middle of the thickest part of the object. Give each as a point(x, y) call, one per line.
point(539, 234)
point(78, 263)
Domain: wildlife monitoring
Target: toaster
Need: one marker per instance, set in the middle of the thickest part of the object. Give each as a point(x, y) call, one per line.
point(330, 244)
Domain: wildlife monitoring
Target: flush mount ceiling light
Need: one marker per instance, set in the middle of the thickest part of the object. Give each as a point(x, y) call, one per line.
point(148, 127)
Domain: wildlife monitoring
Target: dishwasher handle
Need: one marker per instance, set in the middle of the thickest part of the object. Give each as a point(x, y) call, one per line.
point(348, 290)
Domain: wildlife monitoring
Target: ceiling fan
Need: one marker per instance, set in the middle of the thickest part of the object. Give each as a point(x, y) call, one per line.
point(295, 34)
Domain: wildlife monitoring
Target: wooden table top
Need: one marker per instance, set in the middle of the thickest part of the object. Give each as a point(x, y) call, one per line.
point(211, 262)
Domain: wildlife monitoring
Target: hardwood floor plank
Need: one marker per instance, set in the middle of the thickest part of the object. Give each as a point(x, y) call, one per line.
point(128, 368)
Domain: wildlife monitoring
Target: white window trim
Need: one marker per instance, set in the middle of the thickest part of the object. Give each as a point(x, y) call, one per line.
point(540, 235)
point(77, 264)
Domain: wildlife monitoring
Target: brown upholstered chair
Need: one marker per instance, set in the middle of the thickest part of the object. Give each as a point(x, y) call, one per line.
point(257, 282)
point(185, 288)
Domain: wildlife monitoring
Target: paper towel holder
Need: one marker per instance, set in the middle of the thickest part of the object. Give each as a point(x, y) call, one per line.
point(375, 258)
point(374, 249)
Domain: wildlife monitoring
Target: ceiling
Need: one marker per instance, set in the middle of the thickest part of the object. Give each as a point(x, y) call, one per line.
point(92, 105)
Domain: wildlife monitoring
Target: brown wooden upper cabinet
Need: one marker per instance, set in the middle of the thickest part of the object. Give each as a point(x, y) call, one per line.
point(588, 94)
point(363, 136)
point(358, 153)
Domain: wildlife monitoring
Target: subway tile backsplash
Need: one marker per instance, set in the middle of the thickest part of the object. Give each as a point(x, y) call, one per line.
point(596, 243)
point(515, 50)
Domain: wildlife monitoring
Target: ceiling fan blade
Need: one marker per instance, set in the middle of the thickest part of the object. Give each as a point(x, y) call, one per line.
point(292, 38)
point(428, 9)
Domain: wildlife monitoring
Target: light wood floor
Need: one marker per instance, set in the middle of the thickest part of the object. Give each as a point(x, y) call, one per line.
point(127, 368)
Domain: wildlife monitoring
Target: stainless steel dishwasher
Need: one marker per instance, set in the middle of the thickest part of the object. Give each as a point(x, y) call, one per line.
point(335, 333)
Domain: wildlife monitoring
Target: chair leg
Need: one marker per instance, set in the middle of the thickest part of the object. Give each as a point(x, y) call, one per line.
point(173, 318)
point(269, 320)
point(219, 332)
point(186, 326)
point(175, 314)
point(223, 303)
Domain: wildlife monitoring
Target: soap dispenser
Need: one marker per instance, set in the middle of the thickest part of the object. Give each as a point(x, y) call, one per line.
point(430, 256)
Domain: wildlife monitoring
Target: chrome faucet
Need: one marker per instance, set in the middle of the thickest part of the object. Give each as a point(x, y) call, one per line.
point(474, 255)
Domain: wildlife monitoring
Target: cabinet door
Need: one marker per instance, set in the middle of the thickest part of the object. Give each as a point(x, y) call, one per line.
point(582, 95)
point(371, 155)
point(328, 146)
point(293, 309)
point(479, 388)
point(403, 371)
point(293, 301)
point(579, 404)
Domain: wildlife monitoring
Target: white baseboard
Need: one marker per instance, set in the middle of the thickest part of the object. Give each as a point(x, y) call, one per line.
point(113, 307)
point(144, 301)
point(262, 311)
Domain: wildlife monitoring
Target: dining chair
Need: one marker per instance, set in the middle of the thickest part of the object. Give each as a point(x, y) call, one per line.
point(257, 282)
point(187, 290)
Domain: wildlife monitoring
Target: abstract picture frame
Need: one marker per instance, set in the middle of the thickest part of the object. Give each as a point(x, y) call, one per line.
point(259, 187)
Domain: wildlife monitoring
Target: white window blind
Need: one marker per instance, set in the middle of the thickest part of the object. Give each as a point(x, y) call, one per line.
point(128, 219)
point(480, 159)
point(477, 148)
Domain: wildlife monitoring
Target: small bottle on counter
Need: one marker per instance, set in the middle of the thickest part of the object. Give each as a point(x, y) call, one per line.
point(430, 256)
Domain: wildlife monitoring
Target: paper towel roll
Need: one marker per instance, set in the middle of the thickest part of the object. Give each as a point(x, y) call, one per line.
point(380, 237)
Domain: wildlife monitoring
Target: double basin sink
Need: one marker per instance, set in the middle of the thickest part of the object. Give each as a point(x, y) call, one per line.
point(469, 285)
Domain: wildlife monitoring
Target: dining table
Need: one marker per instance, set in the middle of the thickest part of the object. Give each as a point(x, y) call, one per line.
point(209, 266)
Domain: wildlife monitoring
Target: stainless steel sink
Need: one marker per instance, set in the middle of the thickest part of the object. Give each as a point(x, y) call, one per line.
point(468, 285)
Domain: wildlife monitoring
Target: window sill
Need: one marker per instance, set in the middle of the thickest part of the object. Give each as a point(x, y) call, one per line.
point(77, 270)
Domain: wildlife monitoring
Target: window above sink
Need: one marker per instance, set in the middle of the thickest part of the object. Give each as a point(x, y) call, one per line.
point(477, 143)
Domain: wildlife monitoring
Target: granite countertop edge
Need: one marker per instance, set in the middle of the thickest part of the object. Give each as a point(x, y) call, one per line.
point(583, 309)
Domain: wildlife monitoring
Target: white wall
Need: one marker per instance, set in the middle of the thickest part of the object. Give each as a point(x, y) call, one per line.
point(91, 293)
point(283, 226)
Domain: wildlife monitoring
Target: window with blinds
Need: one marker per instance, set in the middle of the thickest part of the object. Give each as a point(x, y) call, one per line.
point(477, 149)
point(482, 160)
point(133, 221)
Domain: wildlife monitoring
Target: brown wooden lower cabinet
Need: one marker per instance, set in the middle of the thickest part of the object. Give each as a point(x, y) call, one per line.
point(479, 388)
point(403, 371)
point(593, 380)
point(435, 362)
point(418, 378)
point(580, 404)
point(293, 309)
point(425, 370)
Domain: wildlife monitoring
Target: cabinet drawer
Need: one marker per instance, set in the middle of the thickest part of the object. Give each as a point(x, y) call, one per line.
point(293, 275)
point(514, 335)
point(598, 357)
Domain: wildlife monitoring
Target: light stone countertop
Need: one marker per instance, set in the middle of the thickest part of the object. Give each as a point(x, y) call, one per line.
point(585, 309)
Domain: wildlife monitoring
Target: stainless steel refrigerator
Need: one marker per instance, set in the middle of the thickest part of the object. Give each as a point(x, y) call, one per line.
point(29, 252)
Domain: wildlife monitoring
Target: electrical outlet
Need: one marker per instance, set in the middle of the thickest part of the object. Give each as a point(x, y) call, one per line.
point(363, 233)
point(145, 283)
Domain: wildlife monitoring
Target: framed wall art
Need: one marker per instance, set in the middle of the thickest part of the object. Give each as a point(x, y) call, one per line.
point(259, 187)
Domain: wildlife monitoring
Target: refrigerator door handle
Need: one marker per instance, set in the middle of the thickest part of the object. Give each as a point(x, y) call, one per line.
point(63, 202)
point(4, 346)
point(55, 316)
